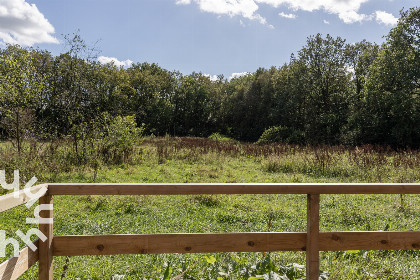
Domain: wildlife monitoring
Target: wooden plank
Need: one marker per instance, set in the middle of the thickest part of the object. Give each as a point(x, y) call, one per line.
point(46, 247)
point(177, 243)
point(240, 188)
point(373, 240)
point(230, 242)
point(9, 201)
point(14, 267)
point(312, 238)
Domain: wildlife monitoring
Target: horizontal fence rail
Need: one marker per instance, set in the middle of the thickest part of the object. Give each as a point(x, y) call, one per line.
point(230, 242)
point(180, 189)
point(311, 241)
point(10, 200)
point(16, 266)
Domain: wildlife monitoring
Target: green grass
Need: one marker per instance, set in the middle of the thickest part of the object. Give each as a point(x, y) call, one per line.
point(184, 160)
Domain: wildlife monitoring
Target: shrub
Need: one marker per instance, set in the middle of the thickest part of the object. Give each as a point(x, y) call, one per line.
point(122, 135)
point(281, 134)
point(219, 137)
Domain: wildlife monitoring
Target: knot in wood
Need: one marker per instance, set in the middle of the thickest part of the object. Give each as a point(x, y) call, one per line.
point(100, 247)
point(335, 237)
point(251, 243)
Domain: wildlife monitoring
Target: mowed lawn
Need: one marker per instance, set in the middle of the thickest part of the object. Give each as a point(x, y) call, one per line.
point(177, 160)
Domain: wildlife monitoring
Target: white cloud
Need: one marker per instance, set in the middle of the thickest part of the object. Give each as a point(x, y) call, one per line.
point(22, 23)
point(350, 69)
point(213, 78)
point(243, 8)
point(347, 10)
point(291, 16)
point(116, 62)
point(237, 75)
point(183, 2)
point(326, 21)
point(385, 18)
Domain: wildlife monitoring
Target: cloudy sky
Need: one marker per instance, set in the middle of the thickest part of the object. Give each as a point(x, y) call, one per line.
point(208, 36)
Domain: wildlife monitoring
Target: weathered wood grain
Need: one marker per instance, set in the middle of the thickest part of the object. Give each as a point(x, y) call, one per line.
point(183, 189)
point(9, 201)
point(230, 242)
point(46, 247)
point(14, 267)
point(312, 237)
point(177, 243)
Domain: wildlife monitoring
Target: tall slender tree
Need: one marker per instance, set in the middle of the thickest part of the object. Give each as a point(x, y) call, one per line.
point(22, 85)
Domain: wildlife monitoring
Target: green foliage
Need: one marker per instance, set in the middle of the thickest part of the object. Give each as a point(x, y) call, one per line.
point(330, 92)
point(121, 137)
point(207, 200)
point(219, 137)
point(216, 161)
point(391, 107)
point(315, 98)
point(168, 272)
point(327, 90)
point(281, 134)
point(111, 140)
point(20, 93)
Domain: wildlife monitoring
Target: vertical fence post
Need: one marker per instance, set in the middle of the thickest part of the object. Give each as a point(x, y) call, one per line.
point(46, 248)
point(312, 238)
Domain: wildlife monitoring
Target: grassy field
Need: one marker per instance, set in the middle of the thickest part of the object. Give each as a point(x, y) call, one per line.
point(204, 160)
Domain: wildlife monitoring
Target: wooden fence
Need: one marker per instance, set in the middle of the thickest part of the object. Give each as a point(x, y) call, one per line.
point(311, 241)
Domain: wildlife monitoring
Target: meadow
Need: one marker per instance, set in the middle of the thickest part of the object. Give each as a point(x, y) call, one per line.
point(184, 160)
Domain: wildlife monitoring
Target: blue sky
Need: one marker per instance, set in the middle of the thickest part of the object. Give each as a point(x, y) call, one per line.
point(208, 36)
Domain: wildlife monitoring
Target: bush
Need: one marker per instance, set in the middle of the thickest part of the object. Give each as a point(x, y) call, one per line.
point(219, 137)
point(281, 134)
point(122, 135)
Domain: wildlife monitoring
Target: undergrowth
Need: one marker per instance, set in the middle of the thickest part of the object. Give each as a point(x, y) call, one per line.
point(186, 160)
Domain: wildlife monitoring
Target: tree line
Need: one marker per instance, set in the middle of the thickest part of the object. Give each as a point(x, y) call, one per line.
point(330, 92)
